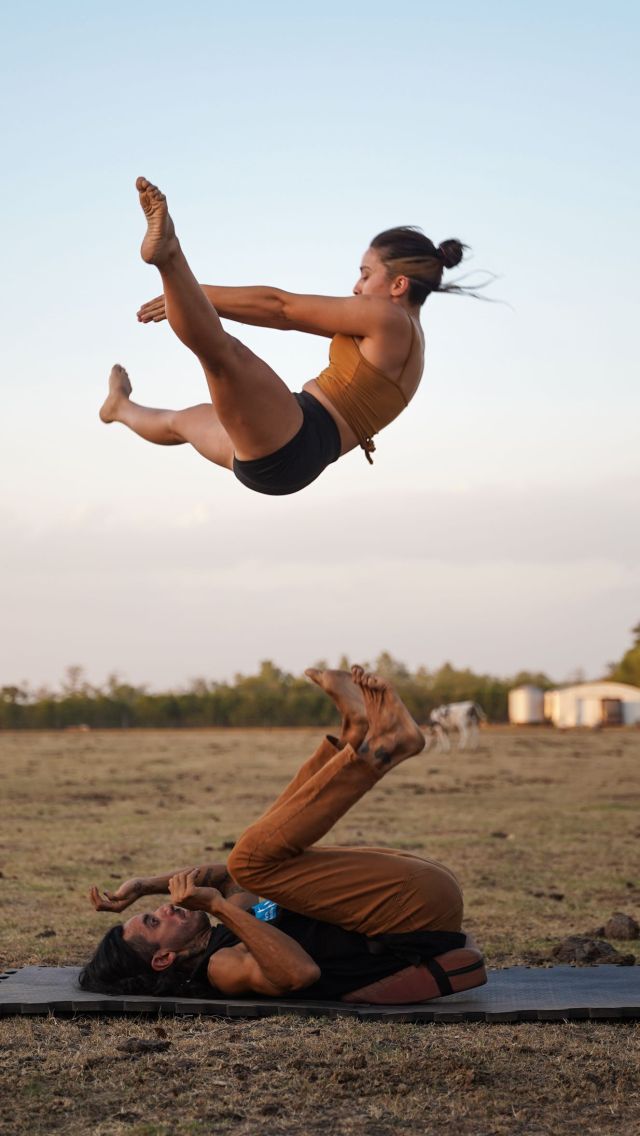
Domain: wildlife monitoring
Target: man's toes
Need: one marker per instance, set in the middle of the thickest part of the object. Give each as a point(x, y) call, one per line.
point(357, 674)
point(377, 683)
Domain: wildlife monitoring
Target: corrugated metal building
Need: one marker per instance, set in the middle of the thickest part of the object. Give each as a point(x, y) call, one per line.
point(593, 704)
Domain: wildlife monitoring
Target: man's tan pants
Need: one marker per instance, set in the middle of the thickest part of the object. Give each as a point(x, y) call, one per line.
point(370, 890)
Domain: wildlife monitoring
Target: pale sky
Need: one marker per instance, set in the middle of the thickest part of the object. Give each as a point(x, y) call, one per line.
point(498, 528)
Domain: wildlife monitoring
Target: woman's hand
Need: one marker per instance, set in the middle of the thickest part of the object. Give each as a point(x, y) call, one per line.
point(153, 311)
point(185, 892)
point(118, 900)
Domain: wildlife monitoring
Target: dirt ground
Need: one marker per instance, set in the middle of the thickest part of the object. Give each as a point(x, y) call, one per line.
point(542, 828)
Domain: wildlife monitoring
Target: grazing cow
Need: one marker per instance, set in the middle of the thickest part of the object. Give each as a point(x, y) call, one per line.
point(460, 717)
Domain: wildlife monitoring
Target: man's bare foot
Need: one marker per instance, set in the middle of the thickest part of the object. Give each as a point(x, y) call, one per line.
point(350, 702)
point(160, 242)
point(393, 735)
point(119, 392)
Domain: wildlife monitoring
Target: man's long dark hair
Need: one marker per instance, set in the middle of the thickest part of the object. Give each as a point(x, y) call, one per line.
point(116, 968)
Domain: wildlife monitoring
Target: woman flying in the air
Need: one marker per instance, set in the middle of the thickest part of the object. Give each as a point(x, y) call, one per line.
point(274, 441)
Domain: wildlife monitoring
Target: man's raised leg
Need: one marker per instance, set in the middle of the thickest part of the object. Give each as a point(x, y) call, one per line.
point(300, 818)
point(393, 735)
point(348, 697)
point(278, 856)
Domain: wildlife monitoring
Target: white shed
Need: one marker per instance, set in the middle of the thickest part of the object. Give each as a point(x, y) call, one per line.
point(593, 704)
point(526, 705)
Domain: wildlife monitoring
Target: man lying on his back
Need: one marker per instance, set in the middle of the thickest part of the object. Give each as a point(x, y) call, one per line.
point(357, 924)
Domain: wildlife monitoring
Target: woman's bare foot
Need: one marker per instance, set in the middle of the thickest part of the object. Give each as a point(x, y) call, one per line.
point(119, 392)
point(350, 702)
point(160, 242)
point(393, 735)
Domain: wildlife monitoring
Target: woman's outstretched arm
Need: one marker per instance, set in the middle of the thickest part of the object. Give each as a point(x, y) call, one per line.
point(291, 311)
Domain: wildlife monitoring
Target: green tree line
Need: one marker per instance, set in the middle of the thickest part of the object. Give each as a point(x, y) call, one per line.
point(271, 697)
point(628, 669)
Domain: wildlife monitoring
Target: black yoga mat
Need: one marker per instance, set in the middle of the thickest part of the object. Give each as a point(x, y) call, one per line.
point(516, 994)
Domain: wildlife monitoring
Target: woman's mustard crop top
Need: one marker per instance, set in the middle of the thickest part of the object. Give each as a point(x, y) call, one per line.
point(366, 398)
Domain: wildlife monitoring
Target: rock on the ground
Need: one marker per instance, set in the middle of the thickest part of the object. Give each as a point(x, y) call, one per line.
point(589, 952)
point(621, 926)
point(137, 1045)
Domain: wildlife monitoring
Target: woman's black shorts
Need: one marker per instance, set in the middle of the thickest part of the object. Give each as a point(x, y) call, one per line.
point(299, 461)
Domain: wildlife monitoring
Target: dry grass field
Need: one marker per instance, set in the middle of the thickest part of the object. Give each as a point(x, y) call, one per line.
point(543, 829)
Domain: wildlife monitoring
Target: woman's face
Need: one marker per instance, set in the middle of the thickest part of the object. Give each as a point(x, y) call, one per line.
point(374, 279)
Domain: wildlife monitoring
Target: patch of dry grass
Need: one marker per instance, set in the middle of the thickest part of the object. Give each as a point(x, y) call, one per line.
point(532, 816)
point(344, 1077)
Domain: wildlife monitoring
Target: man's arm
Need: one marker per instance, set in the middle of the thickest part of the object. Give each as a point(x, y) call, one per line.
point(208, 875)
point(266, 961)
point(289, 311)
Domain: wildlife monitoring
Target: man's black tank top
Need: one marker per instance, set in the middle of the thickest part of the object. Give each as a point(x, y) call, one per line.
point(347, 959)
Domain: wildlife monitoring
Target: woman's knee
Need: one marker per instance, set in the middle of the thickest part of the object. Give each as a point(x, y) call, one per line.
point(176, 425)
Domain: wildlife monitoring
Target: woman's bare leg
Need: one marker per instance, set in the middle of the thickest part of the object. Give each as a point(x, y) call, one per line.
point(198, 426)
point(255, 407)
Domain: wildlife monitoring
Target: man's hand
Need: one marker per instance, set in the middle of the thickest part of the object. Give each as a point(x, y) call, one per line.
point(153, 311)
point(118, 900)
point(185, 892)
